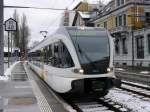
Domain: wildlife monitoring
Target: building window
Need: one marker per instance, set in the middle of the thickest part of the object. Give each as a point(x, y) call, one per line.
point(122, 2)
point(149, 43)
point(124, 19)
point(116, 21)
point(147, 18)
point(118, 2)
point(117, 50)
point(124, 46)
point(120, 20)
point(105, 24)
point(140, 47)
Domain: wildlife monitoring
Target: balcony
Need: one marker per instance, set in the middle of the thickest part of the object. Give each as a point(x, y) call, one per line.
point(138, 1)
point(120, 29)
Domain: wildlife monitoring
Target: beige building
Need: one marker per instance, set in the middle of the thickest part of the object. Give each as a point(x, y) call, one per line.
point(81, 14)
point(128, 22)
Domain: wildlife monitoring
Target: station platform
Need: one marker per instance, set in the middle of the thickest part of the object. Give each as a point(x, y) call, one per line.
point(25, 92)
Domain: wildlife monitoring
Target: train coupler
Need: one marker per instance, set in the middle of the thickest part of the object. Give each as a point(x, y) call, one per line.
point(116, 82)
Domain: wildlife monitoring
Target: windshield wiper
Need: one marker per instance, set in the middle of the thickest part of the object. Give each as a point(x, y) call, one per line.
point(86, 56)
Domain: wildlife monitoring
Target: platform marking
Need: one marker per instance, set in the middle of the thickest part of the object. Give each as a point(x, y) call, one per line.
point(41, 100)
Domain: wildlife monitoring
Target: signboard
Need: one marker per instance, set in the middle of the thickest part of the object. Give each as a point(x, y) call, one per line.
point(10, 25)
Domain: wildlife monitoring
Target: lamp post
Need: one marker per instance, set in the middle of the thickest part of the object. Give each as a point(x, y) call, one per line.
point(132, 31)
point(1, 39)
point(134, 28)
point(132, 35)
point(44, 33)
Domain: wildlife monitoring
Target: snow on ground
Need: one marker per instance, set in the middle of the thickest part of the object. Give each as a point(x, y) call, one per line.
point(4, 78)
point(8, 71)
point(129, 101)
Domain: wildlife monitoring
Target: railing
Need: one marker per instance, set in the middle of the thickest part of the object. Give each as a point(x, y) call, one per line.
point(138, 1)
point(119, 29)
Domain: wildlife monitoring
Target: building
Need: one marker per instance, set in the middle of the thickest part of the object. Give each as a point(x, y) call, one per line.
point(81, 14)
point(128, 22)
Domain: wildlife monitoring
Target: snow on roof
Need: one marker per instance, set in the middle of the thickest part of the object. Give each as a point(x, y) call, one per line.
point(74, 4)
point(85, 15)
point(13, 49)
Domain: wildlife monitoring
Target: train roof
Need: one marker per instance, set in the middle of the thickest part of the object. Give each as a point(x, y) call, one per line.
point(64, 30)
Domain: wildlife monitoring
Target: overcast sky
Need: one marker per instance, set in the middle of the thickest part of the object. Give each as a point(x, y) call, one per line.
point(39, 20)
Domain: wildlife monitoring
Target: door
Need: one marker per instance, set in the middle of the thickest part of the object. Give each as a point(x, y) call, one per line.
point(140, 47)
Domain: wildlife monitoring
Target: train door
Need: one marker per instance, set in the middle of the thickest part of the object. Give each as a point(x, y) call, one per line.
point(42, 63)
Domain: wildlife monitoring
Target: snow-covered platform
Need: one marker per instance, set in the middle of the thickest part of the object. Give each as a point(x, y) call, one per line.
point(20, 92)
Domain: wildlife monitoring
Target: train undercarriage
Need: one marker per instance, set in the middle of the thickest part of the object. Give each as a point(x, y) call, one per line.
point(92, 88)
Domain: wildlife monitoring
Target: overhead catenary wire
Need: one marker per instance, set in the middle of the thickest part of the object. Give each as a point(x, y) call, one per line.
point(56, 19)
point(41, 8)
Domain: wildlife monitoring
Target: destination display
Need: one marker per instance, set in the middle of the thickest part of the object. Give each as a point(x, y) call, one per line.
point(83, 33)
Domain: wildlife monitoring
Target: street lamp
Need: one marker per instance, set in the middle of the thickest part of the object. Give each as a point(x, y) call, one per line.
point(133, 27)
point(44, 33)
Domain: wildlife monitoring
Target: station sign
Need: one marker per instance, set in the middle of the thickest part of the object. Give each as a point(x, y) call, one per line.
point(10, 25)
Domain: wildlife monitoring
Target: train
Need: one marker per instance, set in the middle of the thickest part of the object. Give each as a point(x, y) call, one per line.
point(76, 60)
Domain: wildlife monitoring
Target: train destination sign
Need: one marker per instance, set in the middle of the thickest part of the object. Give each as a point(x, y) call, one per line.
point(10, 25)
point(83, 33)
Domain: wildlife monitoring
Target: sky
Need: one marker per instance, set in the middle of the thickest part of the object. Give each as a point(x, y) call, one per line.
point(41, 20)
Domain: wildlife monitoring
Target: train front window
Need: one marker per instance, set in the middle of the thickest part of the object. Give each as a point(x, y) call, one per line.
point(92, 47)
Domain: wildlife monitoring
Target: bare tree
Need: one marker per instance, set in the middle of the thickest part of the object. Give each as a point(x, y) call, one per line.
point(24, 34)
point(16, 36)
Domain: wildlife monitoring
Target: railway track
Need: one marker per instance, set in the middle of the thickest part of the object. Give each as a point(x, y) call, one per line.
point(99, 105)
point(134, 77)
point(136, 90)
point(107, 104)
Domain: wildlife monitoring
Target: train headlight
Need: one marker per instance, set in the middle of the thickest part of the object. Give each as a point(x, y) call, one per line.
point(81, 71)
point(109, 70)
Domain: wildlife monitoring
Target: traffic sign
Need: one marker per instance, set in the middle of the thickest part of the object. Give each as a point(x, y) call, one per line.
point(10, 25)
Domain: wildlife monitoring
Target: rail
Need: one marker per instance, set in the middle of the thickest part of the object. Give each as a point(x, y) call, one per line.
point(133, 77)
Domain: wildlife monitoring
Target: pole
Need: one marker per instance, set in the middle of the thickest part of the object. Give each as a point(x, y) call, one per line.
point(1, 39)
point(132, 34)
point(8, 49)
point(11, 46)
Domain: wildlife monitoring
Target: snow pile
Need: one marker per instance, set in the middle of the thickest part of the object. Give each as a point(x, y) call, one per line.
point(7, 73)
point(120, 69)
point(144, 72)
point(129, 101)
point(4, 78)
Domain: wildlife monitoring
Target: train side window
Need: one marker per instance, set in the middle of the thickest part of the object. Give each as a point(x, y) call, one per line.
point(61, 57)
point(64, 55)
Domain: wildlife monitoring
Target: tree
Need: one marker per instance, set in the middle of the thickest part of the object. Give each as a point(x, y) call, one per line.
point(16, 36)
point(24, 34)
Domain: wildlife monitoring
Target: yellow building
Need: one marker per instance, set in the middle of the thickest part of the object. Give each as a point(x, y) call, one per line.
point(124, 18)
point(80, 14)
point(126, 13)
